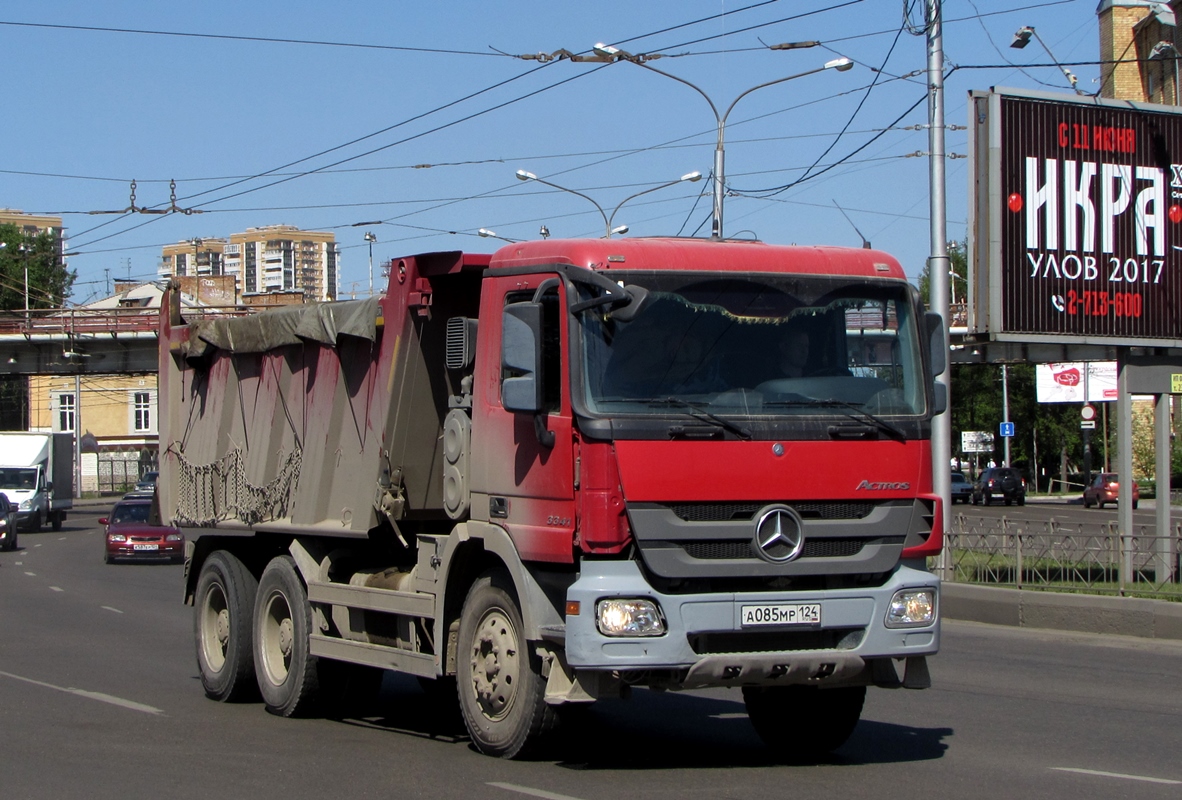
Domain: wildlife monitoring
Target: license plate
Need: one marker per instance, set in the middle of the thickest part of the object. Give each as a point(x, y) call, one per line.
point(782, 614)
point(146, 547)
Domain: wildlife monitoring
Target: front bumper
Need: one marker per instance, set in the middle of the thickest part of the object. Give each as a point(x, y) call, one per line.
point(706, 643)
point(172, 551)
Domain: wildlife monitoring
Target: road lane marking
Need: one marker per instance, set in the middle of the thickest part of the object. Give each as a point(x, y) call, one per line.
point(108, 608)
point(61, 538)
point(31, 574)
point(512, 787)
point(1100, 774)
point(102, 698)
point(56, 589)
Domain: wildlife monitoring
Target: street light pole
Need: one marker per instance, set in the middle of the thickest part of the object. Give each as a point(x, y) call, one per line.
point(609, 52)
point(370, 239)
point(608, 230)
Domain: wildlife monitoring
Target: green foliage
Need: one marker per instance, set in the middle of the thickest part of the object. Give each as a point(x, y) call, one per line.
point(958, 259)
point(49, 280)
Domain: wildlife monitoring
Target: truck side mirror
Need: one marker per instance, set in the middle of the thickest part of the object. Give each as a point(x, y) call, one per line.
point(939, 399)
point(521, 357)
point(935, 326)
point(49, 486)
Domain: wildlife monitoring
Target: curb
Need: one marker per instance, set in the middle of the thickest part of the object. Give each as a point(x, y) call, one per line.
point(1082, 613)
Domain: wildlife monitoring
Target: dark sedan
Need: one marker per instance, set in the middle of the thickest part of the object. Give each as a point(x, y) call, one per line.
point(131, 537)
point(962, 490)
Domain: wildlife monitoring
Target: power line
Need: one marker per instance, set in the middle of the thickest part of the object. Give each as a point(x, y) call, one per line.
point(267, 39)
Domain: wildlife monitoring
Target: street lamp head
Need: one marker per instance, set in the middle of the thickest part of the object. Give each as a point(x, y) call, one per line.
point(692, 177)
point(840, 64)
point(619, 230)
point(522, 175)
point(369, 237)
point(1022, 37)
point(601, 49)
point(486, 233)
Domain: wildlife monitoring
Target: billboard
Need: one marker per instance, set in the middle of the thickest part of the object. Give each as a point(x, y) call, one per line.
point(976, 442)
point(1076, 219)
point(1076, 382)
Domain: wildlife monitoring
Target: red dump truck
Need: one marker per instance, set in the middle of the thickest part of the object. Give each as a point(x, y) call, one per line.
point(539, 478)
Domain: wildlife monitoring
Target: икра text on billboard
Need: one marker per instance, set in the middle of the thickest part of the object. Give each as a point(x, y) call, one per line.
point(1079, 230)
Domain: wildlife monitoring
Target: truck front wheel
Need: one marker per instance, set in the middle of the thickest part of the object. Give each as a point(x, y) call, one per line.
point(501, 690)
point(221, 628)
point(804, 722)
point(287, 674)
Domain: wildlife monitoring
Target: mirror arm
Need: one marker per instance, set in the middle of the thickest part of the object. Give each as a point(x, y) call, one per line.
point(545, 437)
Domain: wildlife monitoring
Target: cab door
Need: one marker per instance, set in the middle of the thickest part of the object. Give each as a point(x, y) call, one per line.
point(523, 476)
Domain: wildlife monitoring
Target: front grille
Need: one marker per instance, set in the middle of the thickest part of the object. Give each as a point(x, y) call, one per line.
point(776, 641)
point(731, 512)
point(813, 548)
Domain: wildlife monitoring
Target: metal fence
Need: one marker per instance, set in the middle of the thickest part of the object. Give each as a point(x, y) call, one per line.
point(1084, 557)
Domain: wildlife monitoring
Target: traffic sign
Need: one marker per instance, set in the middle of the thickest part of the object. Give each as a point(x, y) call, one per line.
point(1006, 429)
point(1088, 413)
point(1088, 424)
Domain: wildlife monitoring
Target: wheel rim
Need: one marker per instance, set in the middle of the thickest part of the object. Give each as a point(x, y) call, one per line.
point(495, 661)
point(277, 637)
point(215, 627)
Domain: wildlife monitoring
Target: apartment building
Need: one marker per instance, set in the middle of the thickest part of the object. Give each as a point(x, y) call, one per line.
point(276, 259)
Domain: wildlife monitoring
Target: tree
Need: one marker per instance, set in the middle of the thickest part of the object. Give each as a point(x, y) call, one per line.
point(49, 279)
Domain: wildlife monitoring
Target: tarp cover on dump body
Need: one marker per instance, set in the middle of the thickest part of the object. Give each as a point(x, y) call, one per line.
point(322, 323)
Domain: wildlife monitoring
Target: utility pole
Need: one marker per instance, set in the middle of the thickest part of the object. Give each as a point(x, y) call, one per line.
point(938, 263)
point(370, 238)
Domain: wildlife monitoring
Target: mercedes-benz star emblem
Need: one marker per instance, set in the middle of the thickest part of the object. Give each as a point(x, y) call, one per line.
point(778, 537)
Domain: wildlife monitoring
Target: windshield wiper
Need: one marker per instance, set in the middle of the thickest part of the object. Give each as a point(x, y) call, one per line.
point(860, 412)
point(693, 410)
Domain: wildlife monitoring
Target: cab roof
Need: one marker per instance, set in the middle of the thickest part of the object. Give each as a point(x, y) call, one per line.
point(668, 254)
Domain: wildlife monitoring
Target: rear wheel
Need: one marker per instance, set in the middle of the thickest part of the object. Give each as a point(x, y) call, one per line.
point(1100, 504)
point(804, 722)
point(499, 681)
point(1134, 504)
point(987, 498)
point(287, 674)
point(222, 616)
point(57, 521)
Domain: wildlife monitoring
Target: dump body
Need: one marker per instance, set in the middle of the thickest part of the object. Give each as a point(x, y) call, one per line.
point(37, 473)
point(686, 463)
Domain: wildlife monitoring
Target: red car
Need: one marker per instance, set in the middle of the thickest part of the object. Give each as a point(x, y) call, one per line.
point(130, 536)
point(1106, 489)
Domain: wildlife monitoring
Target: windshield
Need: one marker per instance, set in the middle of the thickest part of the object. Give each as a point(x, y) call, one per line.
point(18, 479)
point(132, 512)
point(760, 345)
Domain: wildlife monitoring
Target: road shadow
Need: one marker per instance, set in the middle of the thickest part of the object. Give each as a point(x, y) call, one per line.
point(672, 731)
point(682, 731)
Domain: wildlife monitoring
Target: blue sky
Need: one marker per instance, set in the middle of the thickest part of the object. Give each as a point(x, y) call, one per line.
point(90, 110)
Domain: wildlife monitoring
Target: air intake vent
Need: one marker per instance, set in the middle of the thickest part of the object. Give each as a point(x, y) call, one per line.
point(461, 342)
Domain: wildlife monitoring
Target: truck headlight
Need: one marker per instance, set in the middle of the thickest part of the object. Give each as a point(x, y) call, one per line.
point(26, 505)
point(911, 608)
point(629, 617)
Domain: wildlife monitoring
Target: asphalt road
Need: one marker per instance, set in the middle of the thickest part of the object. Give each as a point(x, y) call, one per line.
point(99, 698)
point(1069, 512)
